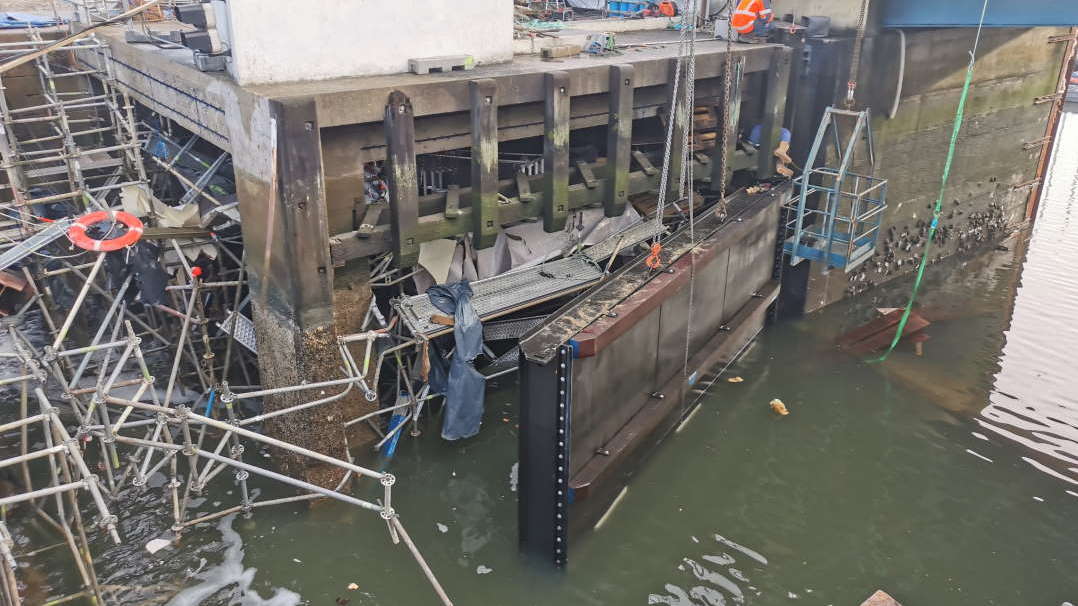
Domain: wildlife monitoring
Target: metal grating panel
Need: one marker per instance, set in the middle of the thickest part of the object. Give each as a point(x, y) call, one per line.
point(503, 364)
point(505, 330)
point(35, 242)
point(245, 330)
point(624, 240)
point(501, 294)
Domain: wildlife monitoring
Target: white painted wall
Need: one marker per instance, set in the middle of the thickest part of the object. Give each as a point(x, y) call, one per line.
point(844, 13)
point(285, 40)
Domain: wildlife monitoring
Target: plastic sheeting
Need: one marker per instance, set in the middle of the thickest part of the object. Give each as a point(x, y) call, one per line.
point(588, 4)
point(10, 20)
point(463, 385)
point(528, 244)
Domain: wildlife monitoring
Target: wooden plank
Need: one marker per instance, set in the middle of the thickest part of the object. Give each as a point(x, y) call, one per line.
point(484, 162)
point(878, 333)
point(401, 175)
point(556, 152)
point(619, 136)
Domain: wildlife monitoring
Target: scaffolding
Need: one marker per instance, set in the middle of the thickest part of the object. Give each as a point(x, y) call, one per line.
point(94, 423)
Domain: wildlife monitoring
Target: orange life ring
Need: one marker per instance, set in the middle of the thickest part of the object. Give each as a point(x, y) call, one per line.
point(77, 232)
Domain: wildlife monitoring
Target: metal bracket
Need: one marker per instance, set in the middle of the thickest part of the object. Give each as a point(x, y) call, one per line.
point(452, 202)
point(587, 175)
point(370, 220)
point(1047, 98)
point(645, 164)
point(524, 188)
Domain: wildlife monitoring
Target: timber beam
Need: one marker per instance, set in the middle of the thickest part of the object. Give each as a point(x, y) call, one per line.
point(432, 223)
point(619, 137)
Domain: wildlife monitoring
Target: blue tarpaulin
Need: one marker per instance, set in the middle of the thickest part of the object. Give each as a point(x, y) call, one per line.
point(22, 20)
point(462, 385)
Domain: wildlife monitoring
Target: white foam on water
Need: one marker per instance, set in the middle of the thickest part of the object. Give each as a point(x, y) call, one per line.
point(230, 572)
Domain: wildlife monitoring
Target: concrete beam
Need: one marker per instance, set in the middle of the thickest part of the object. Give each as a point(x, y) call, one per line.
point(359, 100)
point(776, 83)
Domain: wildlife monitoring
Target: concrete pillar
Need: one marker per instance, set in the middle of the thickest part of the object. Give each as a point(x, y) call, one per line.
point(485, 223)
point(619, 139)
point(733, 110)
point(556, 152)
point(285, 231)
point(776, 83)
point(401, 177)
point(681, 124)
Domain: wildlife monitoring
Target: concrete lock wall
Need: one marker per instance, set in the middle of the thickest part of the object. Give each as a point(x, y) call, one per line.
point(843, 13)
point(994, 167)
point(282, 41)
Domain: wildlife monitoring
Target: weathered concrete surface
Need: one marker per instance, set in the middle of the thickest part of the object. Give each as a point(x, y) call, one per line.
point(279, 41)
point(283, 209)
point(988, 189)
point(166, 81)
point(351, 297)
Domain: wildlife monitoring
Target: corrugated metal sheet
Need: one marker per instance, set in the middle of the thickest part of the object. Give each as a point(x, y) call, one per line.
point(966, 13)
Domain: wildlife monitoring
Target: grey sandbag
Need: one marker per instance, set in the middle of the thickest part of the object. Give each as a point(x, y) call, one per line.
point(464, 389)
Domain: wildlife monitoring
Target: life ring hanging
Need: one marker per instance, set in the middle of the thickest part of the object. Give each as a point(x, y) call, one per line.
point(77, 232)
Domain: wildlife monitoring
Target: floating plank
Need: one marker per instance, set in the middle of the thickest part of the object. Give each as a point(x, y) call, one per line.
point(878, 333)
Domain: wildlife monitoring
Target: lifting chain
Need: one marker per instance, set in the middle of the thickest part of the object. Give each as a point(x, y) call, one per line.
point(855, 57)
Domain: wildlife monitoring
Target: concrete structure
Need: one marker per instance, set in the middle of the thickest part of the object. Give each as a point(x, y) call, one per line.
point(322, 113)
point(995, 175)
point(282, 40)
point(299, 151)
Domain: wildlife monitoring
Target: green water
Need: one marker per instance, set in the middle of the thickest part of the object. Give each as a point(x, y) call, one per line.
point(883, 476)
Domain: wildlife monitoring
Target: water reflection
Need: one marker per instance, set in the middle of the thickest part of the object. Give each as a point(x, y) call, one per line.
point(1034, 400)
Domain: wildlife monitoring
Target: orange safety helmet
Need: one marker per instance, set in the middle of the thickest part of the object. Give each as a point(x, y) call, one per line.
point(746, 14)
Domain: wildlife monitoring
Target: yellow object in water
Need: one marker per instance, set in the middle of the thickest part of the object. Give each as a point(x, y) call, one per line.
point(779, 407)
point(734, 380)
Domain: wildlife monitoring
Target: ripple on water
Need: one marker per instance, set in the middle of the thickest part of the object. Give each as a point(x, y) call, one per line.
point(1034, 401)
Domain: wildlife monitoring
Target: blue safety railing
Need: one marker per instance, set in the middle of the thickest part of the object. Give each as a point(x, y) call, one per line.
point(834, 215)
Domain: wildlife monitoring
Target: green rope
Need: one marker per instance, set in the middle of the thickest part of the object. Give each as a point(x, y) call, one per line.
point(938, 210)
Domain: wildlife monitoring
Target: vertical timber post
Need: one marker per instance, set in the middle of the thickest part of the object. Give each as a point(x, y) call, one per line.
point(776, 83)
point(544, 443)
point(297, 340)
point(401, 174)
point(731, 116)
point(678, 112)
point(484, 162)
point(619, 137)
point(556, 152)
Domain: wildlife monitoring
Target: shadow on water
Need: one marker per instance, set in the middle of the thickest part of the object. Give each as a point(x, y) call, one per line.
point(950, 478)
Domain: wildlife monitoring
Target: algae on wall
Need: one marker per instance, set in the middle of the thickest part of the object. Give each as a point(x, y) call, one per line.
point(987, 191)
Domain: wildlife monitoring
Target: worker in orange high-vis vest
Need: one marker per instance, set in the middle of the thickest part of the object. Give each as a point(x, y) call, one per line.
point(748, 12)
